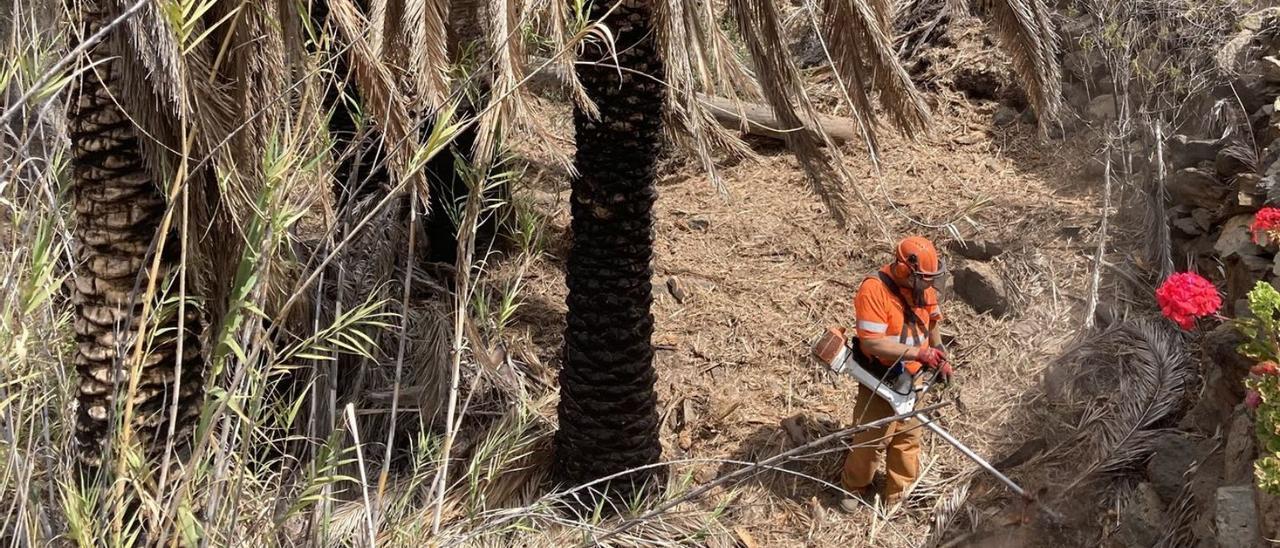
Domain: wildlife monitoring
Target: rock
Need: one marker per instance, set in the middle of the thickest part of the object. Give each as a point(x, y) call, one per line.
point(693, 224)
point(1082, 65)
point(1073, 29)
point(1195, 187)
point(1185, 152)
point(980, 286)
point(1240, 451)
point(1236, 239)
point(807, 51)
point(1141, 518)
point(677, 289)
point(1214, 407)
point(1266, 69)
point(1269, 160)
point(1004, 116)
point(1250, 185)
point(1219, 348)
point(978, 250)
point(1243, 272)
point(1266, 128)
point(661, 292)
point(1203, 489)
point(1269, 509)
point(1188, 226)
point(1172, 455)
point(1228, 164)
point(1194, 223)
point(1236, 517)
point(1203, 217)
point(1102, 107)
point(683, 288)
point(1076, 96)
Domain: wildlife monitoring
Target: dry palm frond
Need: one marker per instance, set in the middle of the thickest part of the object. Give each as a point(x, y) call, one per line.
point(1179, 520)
point(1244, 153)
point(713, 55)
point(555, 16)
point(689, 123)
point(758, 22)
point(1026, 31)
point(946, 511)
point(857, 36)
point(209, 89)
point(384, 17)
point(1137, 373)
point(506, 93)
point(382, 98)
point(424, 35)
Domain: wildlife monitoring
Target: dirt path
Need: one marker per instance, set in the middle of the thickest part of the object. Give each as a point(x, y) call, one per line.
point(745, 281)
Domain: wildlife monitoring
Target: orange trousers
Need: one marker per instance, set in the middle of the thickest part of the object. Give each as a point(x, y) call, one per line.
point(901, 440)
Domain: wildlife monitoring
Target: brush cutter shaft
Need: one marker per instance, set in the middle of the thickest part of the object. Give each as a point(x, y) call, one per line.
point(928, 422)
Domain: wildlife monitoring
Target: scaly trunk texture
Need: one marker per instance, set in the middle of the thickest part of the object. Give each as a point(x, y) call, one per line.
point(118, 207)
point(608, 416)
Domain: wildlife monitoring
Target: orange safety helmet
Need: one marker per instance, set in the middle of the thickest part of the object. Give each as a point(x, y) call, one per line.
point(916, 256)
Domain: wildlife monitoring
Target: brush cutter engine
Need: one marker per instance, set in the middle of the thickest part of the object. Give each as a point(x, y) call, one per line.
point(842, 355)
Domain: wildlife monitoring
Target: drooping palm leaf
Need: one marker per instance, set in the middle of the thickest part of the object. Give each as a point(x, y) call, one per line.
point(387, 106)
point(856, 33)
point(692, 65)
point(424, 36)
point(1026, 32)
point(758, 23)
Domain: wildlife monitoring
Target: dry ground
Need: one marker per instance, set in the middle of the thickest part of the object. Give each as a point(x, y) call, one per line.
point(745, 281)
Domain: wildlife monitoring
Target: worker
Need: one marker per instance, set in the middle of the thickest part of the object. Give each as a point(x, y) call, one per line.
point(897, 324)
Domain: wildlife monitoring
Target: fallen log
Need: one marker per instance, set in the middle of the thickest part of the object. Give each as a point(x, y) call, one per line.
point(750, 118)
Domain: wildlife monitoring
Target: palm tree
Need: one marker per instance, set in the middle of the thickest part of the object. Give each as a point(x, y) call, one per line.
point(607, 410)
point(119, 204)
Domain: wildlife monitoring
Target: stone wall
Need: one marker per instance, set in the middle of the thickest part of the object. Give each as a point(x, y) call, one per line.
point(1217, 177)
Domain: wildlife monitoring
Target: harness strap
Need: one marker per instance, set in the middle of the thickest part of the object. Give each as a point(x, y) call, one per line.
point(911, 326)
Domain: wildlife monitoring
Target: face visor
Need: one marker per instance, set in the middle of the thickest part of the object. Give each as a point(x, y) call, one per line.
point(924, 279)
point(926, 276)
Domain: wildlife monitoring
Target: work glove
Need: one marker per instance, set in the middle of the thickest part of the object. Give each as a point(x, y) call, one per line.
point(944, 372)
point(936, 360)
point(931, 357)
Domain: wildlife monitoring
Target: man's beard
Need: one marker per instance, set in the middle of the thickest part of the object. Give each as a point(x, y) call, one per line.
point(918, 287)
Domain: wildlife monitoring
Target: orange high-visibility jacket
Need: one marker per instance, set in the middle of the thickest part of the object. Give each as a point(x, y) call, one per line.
point(880, 314)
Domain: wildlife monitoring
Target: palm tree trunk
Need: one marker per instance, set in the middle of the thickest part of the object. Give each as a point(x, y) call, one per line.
point(607, 410)
point(118, 207)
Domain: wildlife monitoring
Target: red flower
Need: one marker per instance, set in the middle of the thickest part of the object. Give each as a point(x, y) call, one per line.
point(1252, 399)
point(1266, 220)
point(1265, 368)
point(1185, 296)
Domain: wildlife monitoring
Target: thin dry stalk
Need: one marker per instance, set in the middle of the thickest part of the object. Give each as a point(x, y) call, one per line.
point(404, 337)
point(364, 480)
point(1095, 280)
point(462, 296)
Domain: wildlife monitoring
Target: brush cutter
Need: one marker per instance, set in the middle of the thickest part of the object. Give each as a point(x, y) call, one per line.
point(901, 389)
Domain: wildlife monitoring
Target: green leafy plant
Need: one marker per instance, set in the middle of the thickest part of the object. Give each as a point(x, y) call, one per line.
point(1261, 331)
